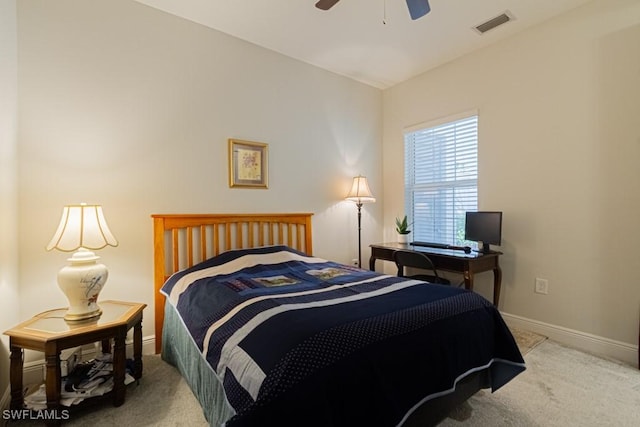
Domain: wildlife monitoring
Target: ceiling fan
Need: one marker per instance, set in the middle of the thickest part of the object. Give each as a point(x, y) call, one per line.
point(417, 8)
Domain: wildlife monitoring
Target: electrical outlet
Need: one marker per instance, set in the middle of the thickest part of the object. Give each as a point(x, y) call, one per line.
point(354, 262)
point(542, 286)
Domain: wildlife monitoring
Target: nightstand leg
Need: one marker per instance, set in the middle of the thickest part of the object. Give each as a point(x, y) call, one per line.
point(119, 362)
point(137, 350)
point(15, 377)
point(53, 382)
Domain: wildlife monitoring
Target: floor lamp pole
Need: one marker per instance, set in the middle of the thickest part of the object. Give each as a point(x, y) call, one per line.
point(360, 193)
point(359, 235)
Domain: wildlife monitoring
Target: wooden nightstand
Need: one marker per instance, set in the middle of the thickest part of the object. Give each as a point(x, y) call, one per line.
point(50, 333)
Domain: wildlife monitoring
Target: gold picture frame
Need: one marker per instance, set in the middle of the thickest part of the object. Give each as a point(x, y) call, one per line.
point(248, 164)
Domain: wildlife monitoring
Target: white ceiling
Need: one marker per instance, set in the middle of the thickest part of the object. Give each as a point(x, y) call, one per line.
point(351, 39)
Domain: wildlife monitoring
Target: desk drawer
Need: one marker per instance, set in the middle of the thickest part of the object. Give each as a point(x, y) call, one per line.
point(455, 265)
point(383, 253)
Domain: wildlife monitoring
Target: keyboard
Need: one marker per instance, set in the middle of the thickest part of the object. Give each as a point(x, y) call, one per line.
point(466, 249)
point(431, 245)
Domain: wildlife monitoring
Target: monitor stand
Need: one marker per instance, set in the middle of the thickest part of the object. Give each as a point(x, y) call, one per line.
point(485, 249)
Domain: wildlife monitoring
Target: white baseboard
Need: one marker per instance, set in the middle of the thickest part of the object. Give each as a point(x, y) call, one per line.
point(33, 370)
point(605, 347)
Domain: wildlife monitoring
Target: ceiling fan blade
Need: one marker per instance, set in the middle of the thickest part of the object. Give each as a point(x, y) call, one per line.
point(326, 4)
point(417, 8)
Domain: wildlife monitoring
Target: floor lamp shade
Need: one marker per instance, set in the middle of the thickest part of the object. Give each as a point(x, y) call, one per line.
point(360, 193)
point(82, 228)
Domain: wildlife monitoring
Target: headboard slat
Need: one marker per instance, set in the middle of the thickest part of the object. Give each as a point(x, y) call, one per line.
point(203, 241)
point(174, 246)
point(271, 232)
point(216, 240)
point(190, 246)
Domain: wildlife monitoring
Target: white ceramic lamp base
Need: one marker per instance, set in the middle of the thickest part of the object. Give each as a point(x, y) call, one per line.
point(81, 282)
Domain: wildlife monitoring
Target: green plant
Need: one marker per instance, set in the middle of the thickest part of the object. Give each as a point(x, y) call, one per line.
point(402, 226)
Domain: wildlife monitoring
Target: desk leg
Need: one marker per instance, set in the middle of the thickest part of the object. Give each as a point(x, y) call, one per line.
point(15, 377)
point(137, 350)
point(372, 263)
point(468, 280)
point(119, 362)
point(497, 284)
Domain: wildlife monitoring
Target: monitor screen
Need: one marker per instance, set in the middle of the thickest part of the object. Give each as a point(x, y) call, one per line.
point(485, 227)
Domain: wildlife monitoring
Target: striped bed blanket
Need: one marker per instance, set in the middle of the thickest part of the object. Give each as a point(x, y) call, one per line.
point(289, 335)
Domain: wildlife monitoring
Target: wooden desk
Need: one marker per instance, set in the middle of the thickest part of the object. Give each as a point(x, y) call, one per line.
point(448, 260)
point(50, 333)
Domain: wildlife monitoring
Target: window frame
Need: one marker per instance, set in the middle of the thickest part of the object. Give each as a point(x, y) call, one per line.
point(450, 228)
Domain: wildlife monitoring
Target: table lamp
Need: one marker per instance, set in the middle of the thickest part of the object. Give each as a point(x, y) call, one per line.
point(360, 193)
point(82, 229)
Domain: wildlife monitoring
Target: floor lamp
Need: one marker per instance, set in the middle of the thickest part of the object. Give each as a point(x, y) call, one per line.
point(360, 193)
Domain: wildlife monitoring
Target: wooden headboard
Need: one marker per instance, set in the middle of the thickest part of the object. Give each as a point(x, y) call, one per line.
point(180, 241)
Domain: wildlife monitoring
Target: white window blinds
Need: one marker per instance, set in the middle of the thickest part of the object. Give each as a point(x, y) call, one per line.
point(441, 179)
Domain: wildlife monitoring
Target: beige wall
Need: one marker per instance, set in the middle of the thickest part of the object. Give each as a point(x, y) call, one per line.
point(559, 145)
point(8, 184)
point(124, 105)
point(129, 107)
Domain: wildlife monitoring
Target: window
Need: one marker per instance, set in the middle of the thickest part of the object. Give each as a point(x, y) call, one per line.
point(441, 178)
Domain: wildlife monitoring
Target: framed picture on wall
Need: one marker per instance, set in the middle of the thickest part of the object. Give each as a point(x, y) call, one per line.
point(248, 164)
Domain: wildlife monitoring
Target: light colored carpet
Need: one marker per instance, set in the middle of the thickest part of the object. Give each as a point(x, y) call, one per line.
point(561, 387)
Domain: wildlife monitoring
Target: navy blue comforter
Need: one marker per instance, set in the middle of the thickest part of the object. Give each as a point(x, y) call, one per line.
point(299, 340)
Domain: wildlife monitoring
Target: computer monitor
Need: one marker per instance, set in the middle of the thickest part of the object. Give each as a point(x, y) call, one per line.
point(485, 227)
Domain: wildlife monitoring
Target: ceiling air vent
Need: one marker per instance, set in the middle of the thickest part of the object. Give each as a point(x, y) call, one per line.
point(494, 22)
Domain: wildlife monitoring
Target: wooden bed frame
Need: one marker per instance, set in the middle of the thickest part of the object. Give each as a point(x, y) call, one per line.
point(182, 240)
